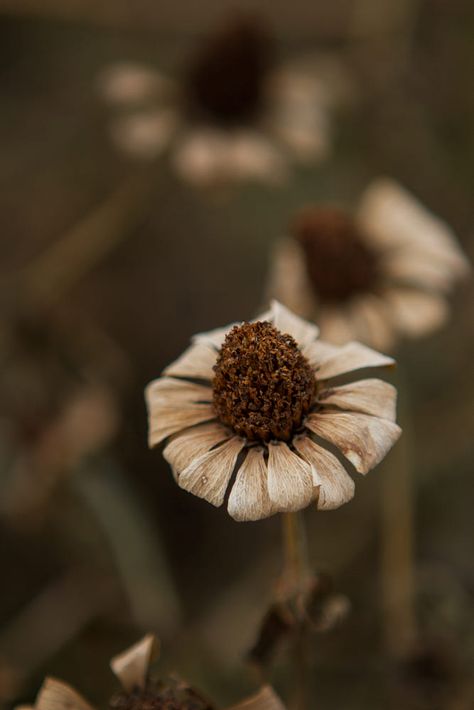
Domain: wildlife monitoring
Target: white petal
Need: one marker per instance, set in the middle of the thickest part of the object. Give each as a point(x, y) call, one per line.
point(350, 357)
point(169, 391)
point(189, 445)
point(393, 218)
point(214, 337)
point(415, 313)
point(371, 396)
point(166, 420)
point(364, 440)
point(251, 156)
point(287, 322)
point(197, 361)
point(201, 156)
point(146, 134)
point(249, 499)
point(288, 280)
point(131, 83)
point(413, 268)
point(370, 321)
point(290, 482)
point(336, 487)
point(56, 695)
point(336, 325)
point(209, 475)
point(265, 699)
point(318, 351)
point(131, 666)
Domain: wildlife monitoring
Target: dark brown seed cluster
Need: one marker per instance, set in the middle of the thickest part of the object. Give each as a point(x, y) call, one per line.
point(338, 262)
point(263, 386)
point(225, 80)
point(160, 697)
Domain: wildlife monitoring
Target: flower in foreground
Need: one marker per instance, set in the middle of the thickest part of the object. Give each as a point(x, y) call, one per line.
point(260, 401)
point(140, 692)
point(232, 115)
point(376, 274)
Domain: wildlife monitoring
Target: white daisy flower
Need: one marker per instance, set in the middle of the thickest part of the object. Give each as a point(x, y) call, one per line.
point(259, 401)
point(376, 274)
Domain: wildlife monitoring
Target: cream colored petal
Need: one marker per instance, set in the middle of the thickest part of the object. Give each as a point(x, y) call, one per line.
point(251, 156)
point(249, 499)
point(336, 325)
point(131, 667)
point(410, 267)
point(144, 135)
point(371, 396)
point(265, 699)
point(287, 322)
point(351, 357)
point(364, 440)
point(189, 445)
point(393, 218)
point(319, 351)
point(209, 475)
point(56, 695)
point(370, 322)
point(166, 420)
point(336, 487)
point(200, 158)
point(290, 482)
point(415, 313)
point(197, 361)
point(215, 337)
point(288, 281)
point(127, 83)
point(168, 391)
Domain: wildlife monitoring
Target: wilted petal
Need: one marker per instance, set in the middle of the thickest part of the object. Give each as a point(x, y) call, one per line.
point(351, 357)
point(145, 134)
point(56, 695)
point(364, 440)
point(166, 420)
point(319, 351)
point(209, 475)
point(131, 666)
point(336, 487)
point(184, 448)
point(287, 322)
point(249, 499)
point(412, 268)
point(214, 337)
point(415, 313)
point(197, 361)
point(290, 482)
point(371, 396)
point(370, 321)
point(336, 325)
point(265, 699)
point(168, 391)
point(288, 279)
point(393, 218)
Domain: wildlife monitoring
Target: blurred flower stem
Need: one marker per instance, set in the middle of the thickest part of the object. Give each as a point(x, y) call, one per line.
point(397, 563)
point(294, 582)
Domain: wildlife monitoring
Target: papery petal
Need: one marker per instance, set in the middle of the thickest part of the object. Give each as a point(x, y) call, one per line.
point(415, 313)
point(197, 361)
point(166, 420)
point(370, 321)
point(190, 445)
point(352, 357)
point(169, 391)
point(131, 666)
point(249, 499)
point(364, 440)
point(209, 475)
point(336, 324)
point(290, 482)
point(287, 322)
point(265, 699)
point(56, 695)
point(214, 337)
point(371, 396)
point(336, 487)
point(288, 280)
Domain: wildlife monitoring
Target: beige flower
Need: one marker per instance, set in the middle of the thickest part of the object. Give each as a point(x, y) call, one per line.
point(259, 400)
point(377, 274)
point(233, 116)
point(139, 692)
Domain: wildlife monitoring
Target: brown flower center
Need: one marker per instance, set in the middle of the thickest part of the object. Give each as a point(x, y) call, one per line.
point(159, 697)
point(263, 386)
point(338, 262)
point(225, 80)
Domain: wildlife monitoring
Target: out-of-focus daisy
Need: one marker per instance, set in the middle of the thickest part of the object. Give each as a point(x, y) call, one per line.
point(232, 115)
point(257, 400)
point(140, 692)
point(374, 274)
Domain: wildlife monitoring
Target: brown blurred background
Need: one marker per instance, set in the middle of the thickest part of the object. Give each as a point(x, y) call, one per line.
point(108, 267)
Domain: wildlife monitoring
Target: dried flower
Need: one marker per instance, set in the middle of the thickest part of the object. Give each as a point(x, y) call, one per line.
point(257, 399)
point(140, 692)
point(372, 275)
point(232, 115)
